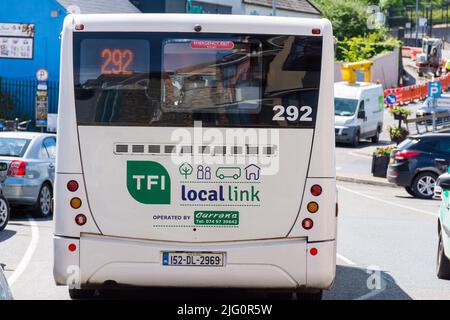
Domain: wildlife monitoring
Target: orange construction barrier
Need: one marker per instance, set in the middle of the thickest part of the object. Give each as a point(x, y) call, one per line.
point(412, 93)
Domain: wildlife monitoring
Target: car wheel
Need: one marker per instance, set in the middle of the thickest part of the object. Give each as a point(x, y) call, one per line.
point(442, 262)
point(410, 191)
point(4, 213)
point(423, 185)
point(44, 203)
point(81, 294)
point(376, 137)
point(355, 142)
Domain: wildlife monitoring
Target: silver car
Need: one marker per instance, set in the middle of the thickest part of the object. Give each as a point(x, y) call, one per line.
point(30, 176)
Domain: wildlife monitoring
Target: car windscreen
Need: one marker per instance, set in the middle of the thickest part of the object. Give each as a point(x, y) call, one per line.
point(13, 147)
point(175, 79)
point(345, 107)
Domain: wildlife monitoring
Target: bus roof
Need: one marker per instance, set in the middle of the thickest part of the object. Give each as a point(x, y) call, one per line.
point(211, 23)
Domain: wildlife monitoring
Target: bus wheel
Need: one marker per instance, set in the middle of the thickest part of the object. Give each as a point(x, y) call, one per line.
point(309, 295)
point(442, 262)
point(81, 294)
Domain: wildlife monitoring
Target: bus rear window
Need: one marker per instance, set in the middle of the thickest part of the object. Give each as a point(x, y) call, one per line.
point(175, 79)
point(211, 76)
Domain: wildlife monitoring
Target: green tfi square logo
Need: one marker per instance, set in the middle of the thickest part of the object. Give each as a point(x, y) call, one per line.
point(148, 182)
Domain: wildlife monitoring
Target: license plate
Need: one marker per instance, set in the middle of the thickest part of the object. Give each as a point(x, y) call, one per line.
point(200, 259)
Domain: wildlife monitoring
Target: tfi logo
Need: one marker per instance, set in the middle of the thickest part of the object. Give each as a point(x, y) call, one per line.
point(148, 182)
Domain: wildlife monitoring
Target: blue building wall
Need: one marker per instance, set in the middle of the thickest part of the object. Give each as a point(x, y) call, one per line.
point(46, 39)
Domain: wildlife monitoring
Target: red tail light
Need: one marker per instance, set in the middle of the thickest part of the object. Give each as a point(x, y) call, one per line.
point(316, 190)
point(17, 168)
point(406, 155)
point(72, 185)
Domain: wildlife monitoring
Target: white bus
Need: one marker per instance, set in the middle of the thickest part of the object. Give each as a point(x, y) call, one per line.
point(254, 213)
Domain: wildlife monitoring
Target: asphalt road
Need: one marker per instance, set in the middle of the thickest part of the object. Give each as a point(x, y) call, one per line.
point(385, 238)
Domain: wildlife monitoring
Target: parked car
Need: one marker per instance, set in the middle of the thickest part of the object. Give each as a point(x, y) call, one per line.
point(417, 162)
point(427, 109)
point(443, 252)
point(4, 212)
point(5, 291)
point(30, 158)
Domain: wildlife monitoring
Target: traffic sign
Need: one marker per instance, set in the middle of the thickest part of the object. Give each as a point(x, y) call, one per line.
point(42, 75)
point(391, 99)
point(434, 89)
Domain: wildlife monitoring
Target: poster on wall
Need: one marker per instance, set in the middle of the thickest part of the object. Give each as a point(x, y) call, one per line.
point(41, 109)
point(17, 30)
point(16, 40)
point(16, 48)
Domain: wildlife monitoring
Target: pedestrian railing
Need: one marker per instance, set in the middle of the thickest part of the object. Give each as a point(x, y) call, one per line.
point(424, 124)
point(21, 96)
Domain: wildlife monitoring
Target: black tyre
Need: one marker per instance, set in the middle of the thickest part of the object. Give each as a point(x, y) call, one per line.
point(81, 294)
point(309, 296)
point(423, 185)
point(43, 207)
point(410, 191)
point(376, 137)
point(4, 213)
point(355, 142)
point(442, 262)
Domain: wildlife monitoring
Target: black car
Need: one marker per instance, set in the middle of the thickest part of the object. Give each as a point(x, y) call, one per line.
point(417, 162)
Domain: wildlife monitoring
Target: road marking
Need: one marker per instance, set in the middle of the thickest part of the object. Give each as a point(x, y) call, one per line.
point(366, 296)
point(28, 254)
point(371, 294)
point(346, 260)
point(388, 202)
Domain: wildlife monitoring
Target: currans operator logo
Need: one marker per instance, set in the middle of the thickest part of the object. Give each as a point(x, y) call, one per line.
point(148, 182)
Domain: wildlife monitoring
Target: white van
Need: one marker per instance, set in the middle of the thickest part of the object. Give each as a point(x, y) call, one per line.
point(358, 111)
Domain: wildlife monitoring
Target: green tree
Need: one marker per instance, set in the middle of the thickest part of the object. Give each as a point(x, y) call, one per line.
point(349, 17)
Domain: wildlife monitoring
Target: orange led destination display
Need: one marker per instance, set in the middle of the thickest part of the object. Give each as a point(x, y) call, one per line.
point(117, 61)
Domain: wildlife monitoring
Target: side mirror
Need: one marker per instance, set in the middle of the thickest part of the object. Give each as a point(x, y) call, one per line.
point(444, 181)
point(361, 114)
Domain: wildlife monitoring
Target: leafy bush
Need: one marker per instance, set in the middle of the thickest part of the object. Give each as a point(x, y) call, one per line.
point(383, 151)
point(365, 47)
point(398, 134)
point(399, 110)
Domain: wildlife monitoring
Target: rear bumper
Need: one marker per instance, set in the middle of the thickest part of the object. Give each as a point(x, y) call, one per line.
point(21, 190)
point(277, 264)
point(399, 176)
